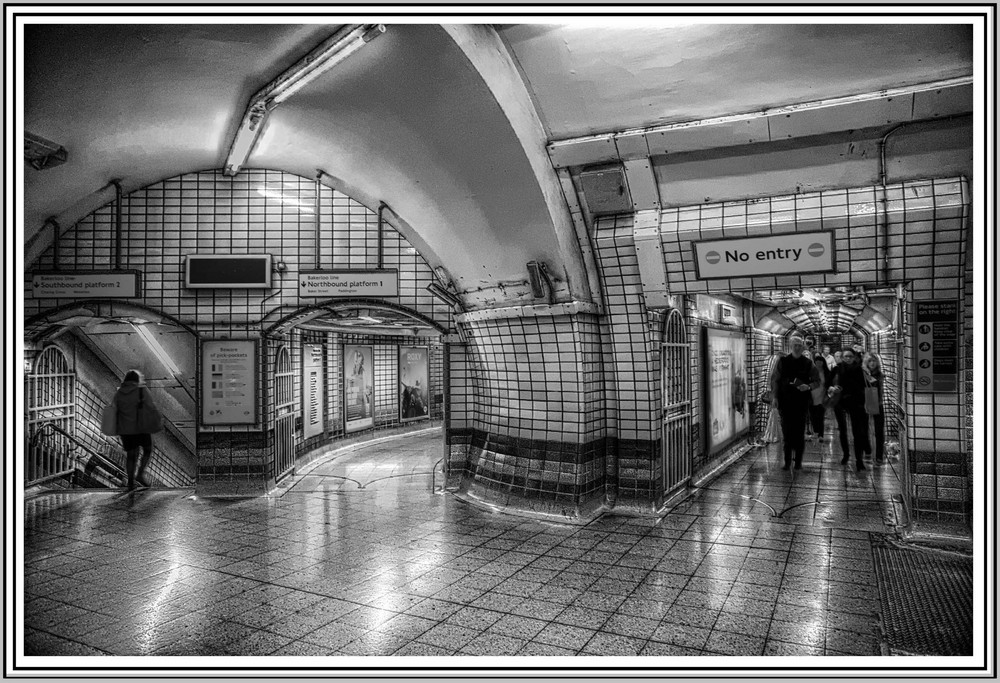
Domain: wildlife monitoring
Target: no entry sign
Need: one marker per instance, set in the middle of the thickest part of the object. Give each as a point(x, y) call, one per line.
point(800, 252)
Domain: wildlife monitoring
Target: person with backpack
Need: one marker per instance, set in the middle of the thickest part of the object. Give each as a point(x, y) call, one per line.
point(136, 420)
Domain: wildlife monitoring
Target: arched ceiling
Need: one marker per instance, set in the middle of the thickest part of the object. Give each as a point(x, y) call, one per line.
point(588, 78)
point(425, 117)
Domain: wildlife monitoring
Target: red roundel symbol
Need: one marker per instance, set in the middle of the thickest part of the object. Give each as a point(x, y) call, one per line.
point(816, 249)
point(713, 257)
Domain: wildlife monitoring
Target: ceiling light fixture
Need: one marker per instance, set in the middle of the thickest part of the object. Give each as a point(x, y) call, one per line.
point(324, 57)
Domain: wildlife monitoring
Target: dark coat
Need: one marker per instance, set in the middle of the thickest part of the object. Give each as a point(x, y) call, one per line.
point(789, 372)
point(127, 399)
point(851, 380)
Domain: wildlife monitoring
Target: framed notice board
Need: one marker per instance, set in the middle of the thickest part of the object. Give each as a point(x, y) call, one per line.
point(229, 382)
point(935, 340)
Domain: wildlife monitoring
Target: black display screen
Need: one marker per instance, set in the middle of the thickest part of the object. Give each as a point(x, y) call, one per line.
point(228, 271)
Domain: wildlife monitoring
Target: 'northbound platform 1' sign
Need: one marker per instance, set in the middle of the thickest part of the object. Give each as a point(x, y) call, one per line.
point(790, 253)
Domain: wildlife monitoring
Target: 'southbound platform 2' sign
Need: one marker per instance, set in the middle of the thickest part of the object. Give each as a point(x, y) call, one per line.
point(790, 253)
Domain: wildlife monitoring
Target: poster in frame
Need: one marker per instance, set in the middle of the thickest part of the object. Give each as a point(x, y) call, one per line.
point(726, 416)
point(313, 389)
point(228, 387)
point(413, 387)
point(359, 384)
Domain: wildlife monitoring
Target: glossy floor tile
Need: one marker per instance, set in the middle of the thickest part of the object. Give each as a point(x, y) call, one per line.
point(357, 555)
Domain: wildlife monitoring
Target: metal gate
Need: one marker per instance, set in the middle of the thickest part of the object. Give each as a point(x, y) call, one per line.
point(675, 364)
point(50, 400)
point(284, 420)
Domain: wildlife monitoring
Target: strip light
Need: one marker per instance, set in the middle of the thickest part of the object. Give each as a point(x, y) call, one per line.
point(324, 57)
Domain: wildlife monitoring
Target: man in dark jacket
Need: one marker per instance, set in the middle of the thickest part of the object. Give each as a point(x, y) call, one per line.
point(792, 380)
point(848, 383)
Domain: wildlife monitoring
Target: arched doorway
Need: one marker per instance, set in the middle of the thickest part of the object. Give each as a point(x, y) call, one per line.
point(102, 340)
point(50, 420)
point(675, 364)
point(313, 396)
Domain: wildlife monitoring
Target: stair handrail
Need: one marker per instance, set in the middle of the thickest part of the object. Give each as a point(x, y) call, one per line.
point(76, 443)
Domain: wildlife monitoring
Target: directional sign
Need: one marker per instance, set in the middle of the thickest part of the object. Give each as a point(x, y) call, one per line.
point(936, 367)
point(797, 252)
point(343, 282)
point(86, 284)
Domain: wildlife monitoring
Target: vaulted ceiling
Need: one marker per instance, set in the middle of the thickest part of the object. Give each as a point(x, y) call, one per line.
point(448, 124)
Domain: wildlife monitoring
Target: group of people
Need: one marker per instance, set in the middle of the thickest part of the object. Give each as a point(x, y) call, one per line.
point(804, 386)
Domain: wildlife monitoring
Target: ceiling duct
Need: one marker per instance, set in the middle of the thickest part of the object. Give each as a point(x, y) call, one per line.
point(773, 321)
point(606, 190)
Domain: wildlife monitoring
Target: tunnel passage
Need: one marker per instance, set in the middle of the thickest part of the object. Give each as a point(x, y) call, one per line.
point(349, 371)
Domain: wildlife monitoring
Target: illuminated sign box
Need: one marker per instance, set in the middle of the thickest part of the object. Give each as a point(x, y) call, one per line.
point(726, 409)
point(227, 271)
point(787, 254)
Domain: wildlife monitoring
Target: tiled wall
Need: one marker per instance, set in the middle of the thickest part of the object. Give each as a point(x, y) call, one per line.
point(527, 409)
point(633, 369)
point(761, 348)
point(255, 212)
point(921, 228)
point(632, 366)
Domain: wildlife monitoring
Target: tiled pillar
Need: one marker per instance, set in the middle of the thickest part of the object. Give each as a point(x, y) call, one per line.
point(526, 428)
point(238, 459)
point(633, 372)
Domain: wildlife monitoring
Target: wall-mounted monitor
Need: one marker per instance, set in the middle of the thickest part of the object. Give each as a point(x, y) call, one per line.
point(227, 271)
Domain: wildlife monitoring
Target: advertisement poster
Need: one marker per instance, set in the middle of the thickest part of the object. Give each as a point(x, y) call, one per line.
point(413, 399)
point(229, 382)
point(359, 409)
point(313, 388)
point(727, 414)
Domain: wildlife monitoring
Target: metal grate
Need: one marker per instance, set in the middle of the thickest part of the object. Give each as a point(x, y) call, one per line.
point(676, 388)
point(926, 600)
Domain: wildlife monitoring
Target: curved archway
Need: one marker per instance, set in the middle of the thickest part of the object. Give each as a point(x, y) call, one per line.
point(336, 307)
point(94, 311)
point(106, 338)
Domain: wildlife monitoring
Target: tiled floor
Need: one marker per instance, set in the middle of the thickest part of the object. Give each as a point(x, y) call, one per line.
point(358, 556)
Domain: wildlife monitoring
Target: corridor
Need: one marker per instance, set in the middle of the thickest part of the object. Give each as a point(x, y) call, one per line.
point(757, 562)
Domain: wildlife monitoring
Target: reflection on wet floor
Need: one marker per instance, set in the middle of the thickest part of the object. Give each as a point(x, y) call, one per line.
point(357, 556)
point(364, 465)
point(823, 492)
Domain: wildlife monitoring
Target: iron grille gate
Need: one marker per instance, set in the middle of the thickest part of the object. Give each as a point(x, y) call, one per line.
point(50, 399)
point(284, 421)
point(676, 391)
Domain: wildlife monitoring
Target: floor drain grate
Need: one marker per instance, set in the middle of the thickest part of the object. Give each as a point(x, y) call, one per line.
point(926, 600)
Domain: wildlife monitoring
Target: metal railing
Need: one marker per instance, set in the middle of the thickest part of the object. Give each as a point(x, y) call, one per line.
point(48, 458)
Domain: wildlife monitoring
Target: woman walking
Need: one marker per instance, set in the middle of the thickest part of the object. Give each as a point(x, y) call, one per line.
point(137, 420)
point(874, 378)
point(817, 411)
